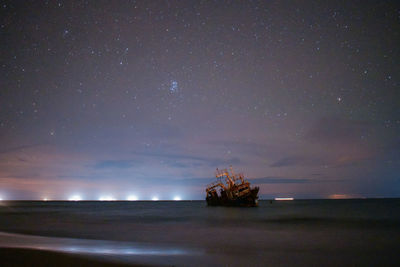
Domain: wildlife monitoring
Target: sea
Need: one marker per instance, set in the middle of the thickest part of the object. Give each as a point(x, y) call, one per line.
point(349, 232)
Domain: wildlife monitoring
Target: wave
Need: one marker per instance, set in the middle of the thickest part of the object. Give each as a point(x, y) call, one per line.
point(87, 246)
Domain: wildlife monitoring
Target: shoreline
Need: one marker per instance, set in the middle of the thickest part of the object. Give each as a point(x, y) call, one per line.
point(11, 256)
point(32, 250)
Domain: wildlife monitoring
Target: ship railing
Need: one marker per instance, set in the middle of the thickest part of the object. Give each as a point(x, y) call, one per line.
point(238, 177)
point(214, 184)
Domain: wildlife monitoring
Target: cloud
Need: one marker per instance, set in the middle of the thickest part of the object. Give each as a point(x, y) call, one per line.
point(333, 130)
point(284, 180)
point(189, 181)
point(333, 142)
point(114, 164)
point(304, 160)
point(187, 160)
point(241, 147)
point(287, 161)
point(17, 148)
point(280, 180)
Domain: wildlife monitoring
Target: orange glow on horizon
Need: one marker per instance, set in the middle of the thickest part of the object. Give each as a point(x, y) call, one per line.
point(339, 196)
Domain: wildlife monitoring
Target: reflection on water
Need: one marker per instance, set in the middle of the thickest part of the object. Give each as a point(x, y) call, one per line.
point(86, 246)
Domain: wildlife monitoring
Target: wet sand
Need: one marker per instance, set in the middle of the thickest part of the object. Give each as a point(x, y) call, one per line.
point(35, 257)
point(32, 250)
point(28, 250)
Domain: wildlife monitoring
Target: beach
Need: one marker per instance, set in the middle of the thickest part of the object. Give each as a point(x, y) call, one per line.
point(188, 233)
point(34, 257)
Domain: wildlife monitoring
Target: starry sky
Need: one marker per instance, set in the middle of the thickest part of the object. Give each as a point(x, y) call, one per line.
point(147, 98)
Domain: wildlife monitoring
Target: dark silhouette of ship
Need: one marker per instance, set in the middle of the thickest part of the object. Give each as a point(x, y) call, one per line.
point(236, 191)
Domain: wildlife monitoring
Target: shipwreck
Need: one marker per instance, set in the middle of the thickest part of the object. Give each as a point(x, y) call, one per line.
point(236, 191)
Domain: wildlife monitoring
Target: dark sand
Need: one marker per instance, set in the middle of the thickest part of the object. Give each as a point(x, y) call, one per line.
point(33, 257)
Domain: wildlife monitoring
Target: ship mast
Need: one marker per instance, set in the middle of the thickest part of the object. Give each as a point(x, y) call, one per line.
point(225, 173)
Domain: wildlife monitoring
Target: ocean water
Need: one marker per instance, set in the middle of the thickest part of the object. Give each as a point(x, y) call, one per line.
point(188, 233)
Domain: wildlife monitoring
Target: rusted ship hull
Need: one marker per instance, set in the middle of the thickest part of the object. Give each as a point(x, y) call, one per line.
point(235, 192)
point(248, 200)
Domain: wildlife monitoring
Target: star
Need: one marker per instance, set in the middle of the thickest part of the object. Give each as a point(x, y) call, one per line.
point(174, 87)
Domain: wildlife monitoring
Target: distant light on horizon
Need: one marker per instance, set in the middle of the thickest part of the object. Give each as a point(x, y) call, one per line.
point(75, 198)
point(45, 199)
point(107, 198)
point(155, 199)
point(132, 198)
point(177, 198)
point(284, 198)
point(340, 196)
point(1, 199)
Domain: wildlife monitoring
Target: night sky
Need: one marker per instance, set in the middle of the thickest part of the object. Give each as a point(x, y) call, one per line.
point(147, 98)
